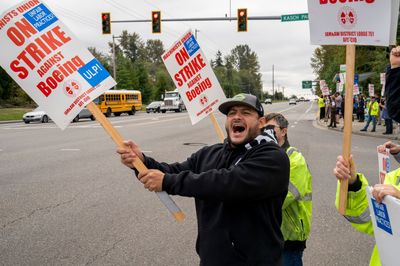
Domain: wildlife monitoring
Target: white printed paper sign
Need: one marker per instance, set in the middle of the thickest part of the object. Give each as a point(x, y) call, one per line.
point(368, 22)
point(384, 165)
point(43, 56)
point(356, 89)
point(371, 90)
point(324, 87)
point(194, 77)
point(385, 218)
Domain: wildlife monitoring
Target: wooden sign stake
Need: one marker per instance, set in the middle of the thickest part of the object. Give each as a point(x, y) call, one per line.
point(138, 164)
point(220, 133)
point(348, 120)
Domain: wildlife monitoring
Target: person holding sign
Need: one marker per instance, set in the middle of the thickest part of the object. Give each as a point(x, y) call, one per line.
point(357, 211)
point(392, 85)
point(394, 149)
point(239, 189)
point(297, 207)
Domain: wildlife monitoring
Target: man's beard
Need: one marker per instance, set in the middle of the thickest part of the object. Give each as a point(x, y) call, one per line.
point(252, 134)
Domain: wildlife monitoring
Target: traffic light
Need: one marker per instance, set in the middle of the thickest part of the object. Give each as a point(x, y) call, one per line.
point(242, 19)
point(106, 23)
point(156, 21)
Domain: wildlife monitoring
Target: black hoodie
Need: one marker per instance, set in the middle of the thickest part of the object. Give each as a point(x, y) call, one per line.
point(392, 93)
point(239, 194)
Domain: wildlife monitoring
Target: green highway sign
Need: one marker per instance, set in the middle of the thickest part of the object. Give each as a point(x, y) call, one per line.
point(306, 84)
point(294, 17)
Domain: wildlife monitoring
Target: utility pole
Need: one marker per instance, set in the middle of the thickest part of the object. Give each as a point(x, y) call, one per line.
point(195, 33)
point(113, 58)
point(230, 9)
point(273, 81)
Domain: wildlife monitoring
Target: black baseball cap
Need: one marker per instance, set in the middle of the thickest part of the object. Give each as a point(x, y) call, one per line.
point(242, 99)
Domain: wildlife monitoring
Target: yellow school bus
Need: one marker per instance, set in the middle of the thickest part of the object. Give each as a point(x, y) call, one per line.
point(119, 101)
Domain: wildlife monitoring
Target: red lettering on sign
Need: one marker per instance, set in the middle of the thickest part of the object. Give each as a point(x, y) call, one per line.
point(23, 72)
point(324, 2)
point(26, 6)
point(59, 75)
point(7, 18)
point(36, 51)
point(190, 70)
point(200, 87)
point(22, 30)
point(182, 56)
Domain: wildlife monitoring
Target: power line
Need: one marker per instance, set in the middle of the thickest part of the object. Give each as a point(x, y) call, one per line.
point(123, 8)
point(72, 14)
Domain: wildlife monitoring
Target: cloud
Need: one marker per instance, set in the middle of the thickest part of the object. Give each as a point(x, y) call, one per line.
point(284, 45)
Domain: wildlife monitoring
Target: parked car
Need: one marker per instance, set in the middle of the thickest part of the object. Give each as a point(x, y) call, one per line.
point(268, 101)
point(36, 115)
point(84, 113)
point(292, 101)
point(154, 107)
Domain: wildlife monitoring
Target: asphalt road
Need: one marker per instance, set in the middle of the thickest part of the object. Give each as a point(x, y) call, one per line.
point(67, 200)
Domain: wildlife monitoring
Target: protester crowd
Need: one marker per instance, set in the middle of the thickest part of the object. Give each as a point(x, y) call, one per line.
point(365, 110)
point(253, 193)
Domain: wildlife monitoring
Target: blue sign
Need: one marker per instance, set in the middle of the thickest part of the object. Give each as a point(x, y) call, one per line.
point(382, 216)
point(356, 76)
point(40, 17)
point(191, 45)
point(93, 72)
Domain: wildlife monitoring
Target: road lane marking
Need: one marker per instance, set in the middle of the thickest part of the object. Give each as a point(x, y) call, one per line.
point(27, 127)
point(309, 108)
point(302, 115)
point(287, 109)
point(70, 149)
point(114, 123)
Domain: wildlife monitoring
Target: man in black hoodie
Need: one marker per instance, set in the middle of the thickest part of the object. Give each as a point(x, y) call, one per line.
point(392, 85)
point(239, 187)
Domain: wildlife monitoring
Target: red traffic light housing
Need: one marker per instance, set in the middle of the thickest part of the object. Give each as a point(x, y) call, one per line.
point(106, 23)
point(242, 19)
point(156, 21)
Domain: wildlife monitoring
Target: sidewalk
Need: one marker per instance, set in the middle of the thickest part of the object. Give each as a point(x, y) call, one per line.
point(359, 125)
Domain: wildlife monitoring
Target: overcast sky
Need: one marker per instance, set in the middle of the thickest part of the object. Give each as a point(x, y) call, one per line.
point(286, 45)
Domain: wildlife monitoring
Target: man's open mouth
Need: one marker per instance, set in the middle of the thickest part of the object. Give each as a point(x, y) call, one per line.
point(238, 128)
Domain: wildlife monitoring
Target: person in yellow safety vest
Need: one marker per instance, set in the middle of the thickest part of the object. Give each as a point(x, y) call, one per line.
point(357, 211)
point(373, 111)
point(297, 207)
point(321, 105)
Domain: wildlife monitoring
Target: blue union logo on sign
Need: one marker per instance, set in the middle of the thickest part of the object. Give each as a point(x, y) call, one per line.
point(382, 216)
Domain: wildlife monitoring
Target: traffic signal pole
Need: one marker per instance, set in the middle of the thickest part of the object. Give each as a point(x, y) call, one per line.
point(199, 19)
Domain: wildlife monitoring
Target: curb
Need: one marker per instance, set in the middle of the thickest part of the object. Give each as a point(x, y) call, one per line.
point(354, 132)
point(11, 121)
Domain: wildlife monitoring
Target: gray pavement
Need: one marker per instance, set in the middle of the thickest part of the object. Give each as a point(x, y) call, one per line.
point(357, 126)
